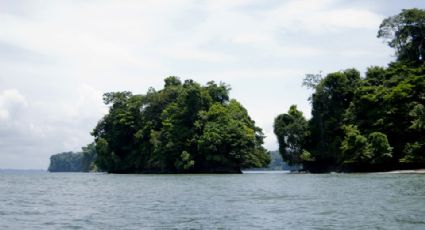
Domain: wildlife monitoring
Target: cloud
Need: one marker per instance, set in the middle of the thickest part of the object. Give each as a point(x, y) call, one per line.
point(11, 103)
point(58, 58)
point(191, 54)
point(34, 129)
point(322, 16)
point(15, 129)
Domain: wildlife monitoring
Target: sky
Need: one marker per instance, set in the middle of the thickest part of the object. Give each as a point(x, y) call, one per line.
point(57, 58)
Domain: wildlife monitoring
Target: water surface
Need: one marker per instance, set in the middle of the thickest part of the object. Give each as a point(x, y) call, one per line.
point(247, 201)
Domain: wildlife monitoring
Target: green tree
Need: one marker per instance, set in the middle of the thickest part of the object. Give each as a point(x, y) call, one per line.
point(115, 133)
point(418, 113)
point(380, 148)
point(311, 81)
point(230, 138)
point(415, 149)
point(330, 100)
point(66, 162)
point(292, 132)
point(385, 102)
point(406, 33)
point(356, 148)
point(89, 158)
point(185, 127)
point(378, 119)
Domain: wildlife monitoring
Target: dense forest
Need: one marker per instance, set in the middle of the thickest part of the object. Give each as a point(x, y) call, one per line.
point(370, 123)
point(74, 162)
point(183, 128)
point(373, 122)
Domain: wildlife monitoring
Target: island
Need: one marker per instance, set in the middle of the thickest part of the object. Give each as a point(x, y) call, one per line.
point(185, 127)
point(74, 162)
point(360, 123)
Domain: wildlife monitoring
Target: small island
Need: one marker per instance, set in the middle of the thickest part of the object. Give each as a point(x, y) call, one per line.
point(74, 162)
point(183, 128)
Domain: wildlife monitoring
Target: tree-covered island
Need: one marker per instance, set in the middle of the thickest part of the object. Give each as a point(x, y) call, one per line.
point(74, 161)
point(374, 123)
point(183, 128)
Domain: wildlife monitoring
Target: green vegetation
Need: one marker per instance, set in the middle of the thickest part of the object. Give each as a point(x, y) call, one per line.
point(373, 123)
point(406, 33)
point(74, 162)
point(183, 128)
point(376, 122)
point(292, 132)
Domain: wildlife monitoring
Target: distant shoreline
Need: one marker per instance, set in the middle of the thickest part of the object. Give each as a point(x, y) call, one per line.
point(407, 171)
point(29, 170)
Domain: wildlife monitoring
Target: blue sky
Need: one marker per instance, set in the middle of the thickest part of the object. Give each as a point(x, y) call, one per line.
point(57, 58)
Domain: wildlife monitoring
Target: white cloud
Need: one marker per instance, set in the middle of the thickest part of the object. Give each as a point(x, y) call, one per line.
point(36, 129)
point(321, 16)
point(191, 54)
point(11, 103)
point(58, 57)
point(89, 103)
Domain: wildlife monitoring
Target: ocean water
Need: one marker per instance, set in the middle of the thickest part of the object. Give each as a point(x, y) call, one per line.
point(30, 200)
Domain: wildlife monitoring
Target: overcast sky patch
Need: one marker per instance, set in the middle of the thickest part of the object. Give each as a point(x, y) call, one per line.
point(57, 58)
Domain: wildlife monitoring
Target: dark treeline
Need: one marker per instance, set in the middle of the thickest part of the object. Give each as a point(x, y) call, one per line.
point(183, 128)
point(365, 124)
point(74, 162)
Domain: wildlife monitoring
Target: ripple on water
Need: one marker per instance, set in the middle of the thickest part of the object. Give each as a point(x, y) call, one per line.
point(249, 201)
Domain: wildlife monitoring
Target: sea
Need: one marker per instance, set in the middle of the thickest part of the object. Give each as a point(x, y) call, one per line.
point(42, 200)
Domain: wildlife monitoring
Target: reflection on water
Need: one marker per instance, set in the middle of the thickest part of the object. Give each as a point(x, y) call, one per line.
point(247, 201)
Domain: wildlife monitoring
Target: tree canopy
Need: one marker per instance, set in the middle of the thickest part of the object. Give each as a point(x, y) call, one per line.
point(406, 33)
point(185, 127)
point(292, 132)
point(74, 162)
point(371, 121)
point(374, 121)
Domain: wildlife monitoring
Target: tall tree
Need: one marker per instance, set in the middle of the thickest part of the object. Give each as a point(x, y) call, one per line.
point(331, 98)
point(406, 33)
point(292, 132)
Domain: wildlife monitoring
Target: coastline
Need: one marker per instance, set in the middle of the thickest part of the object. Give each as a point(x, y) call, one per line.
point(407, 171)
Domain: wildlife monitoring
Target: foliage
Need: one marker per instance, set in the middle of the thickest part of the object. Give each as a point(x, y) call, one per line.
point(415, 150)
point(389, 101)
point(185, 127)
point(329, 102)
point(291, 130)
point(406, 33)
point(375, 120)
point(380, 148)
point(74, 162)
point(311, 81)
point(89, 158)
point(66, 162)
point(418, 113)
point(355, 147)
point(387, 106)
